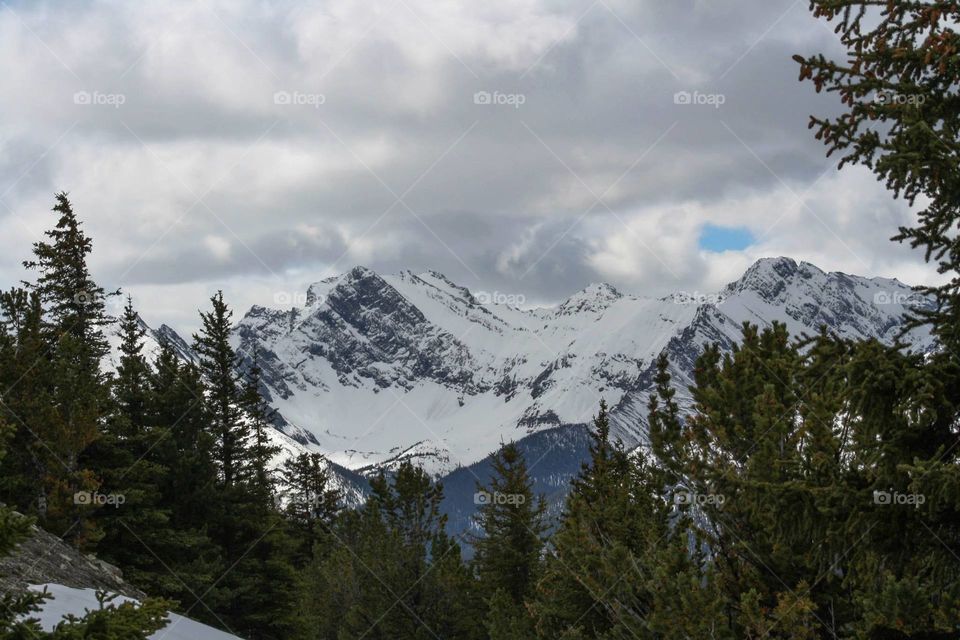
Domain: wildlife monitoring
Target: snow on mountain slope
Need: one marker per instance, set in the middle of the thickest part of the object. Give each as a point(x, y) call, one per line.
point(152, 339)
point(375, 368)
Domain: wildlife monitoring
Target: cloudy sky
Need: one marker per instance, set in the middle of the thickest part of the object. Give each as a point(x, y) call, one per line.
point(519, 146)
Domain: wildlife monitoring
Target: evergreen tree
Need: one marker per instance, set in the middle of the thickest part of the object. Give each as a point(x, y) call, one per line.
point(218, 360)
point(799, 439)
point(393, 572)
point(507, 555)
point(26, 373)
point(312, 503)
point(900, 118)
point(247, 527)
point(129, 457)
point(75, 317)
point(597, 576)
point(183, 444)
point(257, 411)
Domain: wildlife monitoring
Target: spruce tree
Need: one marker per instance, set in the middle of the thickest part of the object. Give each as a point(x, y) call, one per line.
point(183, 443)
point(312, 503)
point(129, 458)
point(507, 553)
point(393, 571)
point(75, 317)
point(257, 413)
point(597, 577)
point(247, 526)
point(27, 375)
point(218, 360)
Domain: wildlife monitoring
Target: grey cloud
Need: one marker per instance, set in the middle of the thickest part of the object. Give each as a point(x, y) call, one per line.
point(496, 186)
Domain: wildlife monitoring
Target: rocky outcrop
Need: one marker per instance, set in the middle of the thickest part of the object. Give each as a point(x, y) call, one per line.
point(44, 558)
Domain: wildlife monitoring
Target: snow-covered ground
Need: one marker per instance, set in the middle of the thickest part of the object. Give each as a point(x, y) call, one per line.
point(66, 600)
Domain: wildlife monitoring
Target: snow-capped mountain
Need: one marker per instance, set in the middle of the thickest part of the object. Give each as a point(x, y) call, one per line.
point(378, 368)
point(375, 369)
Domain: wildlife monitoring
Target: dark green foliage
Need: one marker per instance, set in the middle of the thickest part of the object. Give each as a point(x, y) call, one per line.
point(232, 436)
point(899, 88)
point(244, 522)
point(507, 553)
point(261, 449)
point(312, 504)
point(819, 453)
point(600, 576)
point(111, 622)
point(62, 326)
point(391, 570)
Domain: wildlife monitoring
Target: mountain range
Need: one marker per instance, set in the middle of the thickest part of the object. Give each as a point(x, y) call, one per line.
point(375, 369)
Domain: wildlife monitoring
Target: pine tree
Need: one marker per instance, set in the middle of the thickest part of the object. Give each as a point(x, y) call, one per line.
point(897, 85)
point(218, 360)
point(507, 554)
point(131, 385)
point(257, 413)
point(26, 373)
point(75, 317)
point(129, 458)
point(183, 444)
point(247, 527)
point(393, 571)
point(799, 439)
point(312, 503)
point(597, 575)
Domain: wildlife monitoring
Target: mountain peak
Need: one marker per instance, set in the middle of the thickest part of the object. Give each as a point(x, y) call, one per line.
point(596, 296)
point(769, 276)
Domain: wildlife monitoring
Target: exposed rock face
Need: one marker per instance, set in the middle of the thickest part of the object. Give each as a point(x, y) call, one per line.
point(44, 558)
